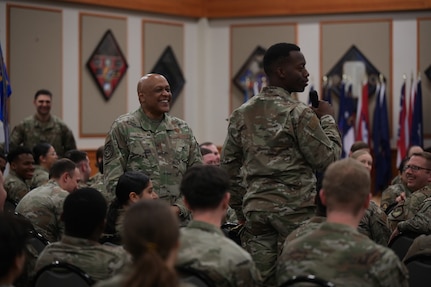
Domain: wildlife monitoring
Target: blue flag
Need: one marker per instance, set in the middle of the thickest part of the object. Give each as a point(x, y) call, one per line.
point(381, 140)
point(5, 92)
point(417, 132)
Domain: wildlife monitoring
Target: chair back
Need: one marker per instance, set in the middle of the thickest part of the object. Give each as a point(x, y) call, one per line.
point(310, 280)
point(401, 244)
point(62, 274)
point(195, 277)
point(37, 241)
point(419, 267)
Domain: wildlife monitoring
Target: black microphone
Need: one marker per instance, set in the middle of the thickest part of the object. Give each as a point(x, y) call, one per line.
point(314, 99)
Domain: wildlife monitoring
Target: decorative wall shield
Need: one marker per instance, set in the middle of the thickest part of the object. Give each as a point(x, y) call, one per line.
point(251, 77)
point(107, 65)
point(168, 66)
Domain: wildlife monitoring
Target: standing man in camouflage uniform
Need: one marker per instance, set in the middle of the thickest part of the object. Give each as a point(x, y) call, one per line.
point(43, 127)
point(336, 251)
point(43, 206)
point(203, 245)
point(152, 141)
point(273, 148)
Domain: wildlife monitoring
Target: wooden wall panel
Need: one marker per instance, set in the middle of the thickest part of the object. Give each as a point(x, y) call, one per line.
point(257, 8)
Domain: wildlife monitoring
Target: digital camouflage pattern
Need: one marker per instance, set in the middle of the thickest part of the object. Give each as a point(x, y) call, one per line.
point(306, 226)
point(340, 254)
point(204, 247)
point(162, 150)
point(31, 131)
point(420, 246)
point(43, 206)
point(390, 194)
point(420, 222)
point(15, 187)
point(97, 260)
point(277, 143)
point(97, 183)
point(273, 148)
point(374, 224)
point(40, 177)
point(407, 208)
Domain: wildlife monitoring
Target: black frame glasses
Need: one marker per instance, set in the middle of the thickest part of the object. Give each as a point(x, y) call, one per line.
point(416, 168)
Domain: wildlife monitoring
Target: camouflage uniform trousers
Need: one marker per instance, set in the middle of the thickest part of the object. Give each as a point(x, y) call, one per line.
point(264, 234)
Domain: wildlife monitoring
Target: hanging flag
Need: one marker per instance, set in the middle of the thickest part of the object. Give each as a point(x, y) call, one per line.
point(346, 119)
point(381, 140)
point(5, 91)
point(362, 118)
point(417, 133)
point(402, 141)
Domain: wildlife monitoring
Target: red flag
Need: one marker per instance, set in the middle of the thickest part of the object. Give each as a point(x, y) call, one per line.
point(362, 130)
point(403, 129)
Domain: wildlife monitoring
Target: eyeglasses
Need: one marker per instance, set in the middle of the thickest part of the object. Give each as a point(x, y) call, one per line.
point(415, 168)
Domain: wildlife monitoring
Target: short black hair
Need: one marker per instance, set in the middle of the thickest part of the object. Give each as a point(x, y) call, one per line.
point(275, 54)
point(42, 92)
point(203, 186)
point(83, 211)
point(13, 236)
point(76, 155)
point(16, 152)
point(40, 149)
point(60, 167)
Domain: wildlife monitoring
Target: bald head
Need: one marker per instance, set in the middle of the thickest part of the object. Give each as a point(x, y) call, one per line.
point(154, 95)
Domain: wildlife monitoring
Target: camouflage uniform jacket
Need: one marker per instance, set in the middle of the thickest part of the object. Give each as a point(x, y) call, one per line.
point(43, 206)
point(96, 182)
point(204, 247)
point(306, 226)
point(15, 187)
point(273, 147)
point(420, 246)
point(31, 131)
point(374, 224)
point(390, 194)
point(119, 280)
point(164, 154)
point(420, 222)
point(99, 261)
point(40, 177)
point(407, 208)
point(340, 254)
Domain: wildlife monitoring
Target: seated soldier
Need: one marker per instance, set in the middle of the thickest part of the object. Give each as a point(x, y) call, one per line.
point(151, 236)
point(84, 220)
point(394, 193)
point(13, 241)
point(336, 251)
point(43, 206)
point(418, 175)
point(132, 186)
point(44, 157)
point(203, 246)
point(21, 169)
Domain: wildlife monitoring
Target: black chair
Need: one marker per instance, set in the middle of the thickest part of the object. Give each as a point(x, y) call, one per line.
point(62, 274)
point(37, 241)
point(195, 277)
point(419, 267)
point(311, 279)
point(232, 231)
point(401, 244)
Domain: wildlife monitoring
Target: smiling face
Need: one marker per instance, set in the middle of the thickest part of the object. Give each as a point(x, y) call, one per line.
point(416, 179)
point(43, 104)
point(154, 95)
